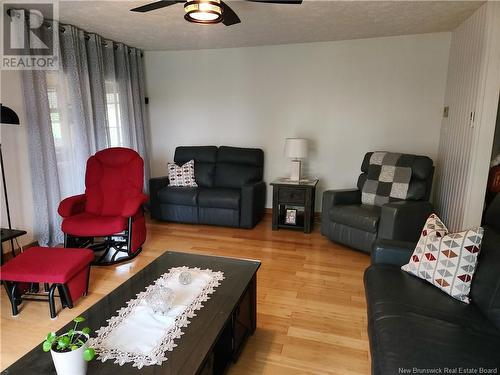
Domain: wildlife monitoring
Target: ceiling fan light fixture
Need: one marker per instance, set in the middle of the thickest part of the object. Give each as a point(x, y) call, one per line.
point(203, 11)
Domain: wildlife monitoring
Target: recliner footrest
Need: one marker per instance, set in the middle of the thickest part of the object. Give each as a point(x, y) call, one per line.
point(66, 269)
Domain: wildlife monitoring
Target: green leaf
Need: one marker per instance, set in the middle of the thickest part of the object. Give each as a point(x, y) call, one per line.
point(88, 354)
point(70, 332)
point(74, 347)
point(51, 337)
point(79, 319)
point(63, 342)
point(86, 330)
point(46, 346)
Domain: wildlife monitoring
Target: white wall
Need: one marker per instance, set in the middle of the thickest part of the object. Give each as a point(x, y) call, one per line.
point(346, 97)
point(16, 159)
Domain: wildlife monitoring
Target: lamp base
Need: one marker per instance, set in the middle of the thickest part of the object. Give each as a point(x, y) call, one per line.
point(295, 175)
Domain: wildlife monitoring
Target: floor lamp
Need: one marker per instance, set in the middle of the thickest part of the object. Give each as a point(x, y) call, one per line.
point(9, 117)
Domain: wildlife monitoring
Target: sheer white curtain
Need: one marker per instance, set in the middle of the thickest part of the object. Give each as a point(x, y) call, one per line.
point(95, 100)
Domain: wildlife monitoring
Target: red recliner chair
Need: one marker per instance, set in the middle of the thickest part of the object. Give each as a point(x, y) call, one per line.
point(108, 218)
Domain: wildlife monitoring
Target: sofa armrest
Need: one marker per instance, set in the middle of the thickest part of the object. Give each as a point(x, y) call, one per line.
point(155, 185)
point(133, 204)
point(340, 197)
point(403, 221)
point(72, 205)
point(253, 203)
point(392, 252)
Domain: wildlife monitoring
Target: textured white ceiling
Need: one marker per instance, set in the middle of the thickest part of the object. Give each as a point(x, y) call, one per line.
point(265, 24)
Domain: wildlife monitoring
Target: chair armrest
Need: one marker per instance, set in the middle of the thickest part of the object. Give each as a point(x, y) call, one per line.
point(403, 221)
point(392, 252)
point(340, 197)
point(155, 185)
point(253, 204)
point(72, 205)
point(335, 198)
point(133, 204)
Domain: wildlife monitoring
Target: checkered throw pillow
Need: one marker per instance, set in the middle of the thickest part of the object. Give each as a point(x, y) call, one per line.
point(181, 175)
point(446, 260)
point(388, 178)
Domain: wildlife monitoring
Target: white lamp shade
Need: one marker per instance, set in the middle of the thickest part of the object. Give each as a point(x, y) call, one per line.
point(296, 148)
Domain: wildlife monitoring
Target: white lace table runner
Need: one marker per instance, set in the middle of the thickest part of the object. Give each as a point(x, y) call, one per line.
point(140, 336)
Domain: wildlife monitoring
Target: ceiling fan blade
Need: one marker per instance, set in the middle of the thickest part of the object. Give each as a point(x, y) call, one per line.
point(228, 16)
point(153, 6)
point(277, 1)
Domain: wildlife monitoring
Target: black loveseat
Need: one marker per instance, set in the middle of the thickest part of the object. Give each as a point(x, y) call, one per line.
point(412, 324)
point(344, 219)
point(230, 189)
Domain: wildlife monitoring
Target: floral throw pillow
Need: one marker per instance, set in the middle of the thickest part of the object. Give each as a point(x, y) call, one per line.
point(181, 175)
point(446, 260)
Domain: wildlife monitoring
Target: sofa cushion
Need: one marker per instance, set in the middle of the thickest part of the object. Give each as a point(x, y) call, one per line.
point(412, 324)
point(183, 196)
point(358, 216)
point(485, 291)
point(204, 162)
point(239, 155)
point(238, 166)
point(220, 198)
point(89, 225)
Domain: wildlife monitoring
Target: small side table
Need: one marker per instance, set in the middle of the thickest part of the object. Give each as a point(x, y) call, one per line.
point(9, 235)
point(293, 199)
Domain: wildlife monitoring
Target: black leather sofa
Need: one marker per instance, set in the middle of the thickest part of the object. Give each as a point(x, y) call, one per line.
point(230, 189)
point(412, 324)
point(344, 219)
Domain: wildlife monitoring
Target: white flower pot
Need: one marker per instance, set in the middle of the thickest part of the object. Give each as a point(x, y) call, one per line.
point(70, 363)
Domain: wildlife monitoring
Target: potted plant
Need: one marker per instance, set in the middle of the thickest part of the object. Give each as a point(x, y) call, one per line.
point(70, 351)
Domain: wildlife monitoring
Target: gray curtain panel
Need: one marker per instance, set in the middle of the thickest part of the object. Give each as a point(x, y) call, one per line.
point(94, 101)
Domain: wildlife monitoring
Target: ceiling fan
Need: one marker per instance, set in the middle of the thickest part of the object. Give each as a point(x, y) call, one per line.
point(207, 11)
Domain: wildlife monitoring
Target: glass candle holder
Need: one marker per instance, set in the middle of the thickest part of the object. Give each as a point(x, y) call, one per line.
point(161, 300)
point(185, 277)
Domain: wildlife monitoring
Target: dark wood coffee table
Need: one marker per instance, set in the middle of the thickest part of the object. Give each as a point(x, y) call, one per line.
point(210, 343)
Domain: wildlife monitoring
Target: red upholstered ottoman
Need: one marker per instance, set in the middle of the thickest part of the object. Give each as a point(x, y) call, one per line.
point(64, 269)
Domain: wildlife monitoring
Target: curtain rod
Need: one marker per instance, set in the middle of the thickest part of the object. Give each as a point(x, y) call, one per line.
point(86, 34)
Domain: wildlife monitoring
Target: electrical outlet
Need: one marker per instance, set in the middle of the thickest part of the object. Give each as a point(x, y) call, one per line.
point(471, 119)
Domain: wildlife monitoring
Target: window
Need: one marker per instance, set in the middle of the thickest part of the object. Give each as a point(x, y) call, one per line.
point(54, 108)
point(113, 112)
point(55, 116)
point(114, 115)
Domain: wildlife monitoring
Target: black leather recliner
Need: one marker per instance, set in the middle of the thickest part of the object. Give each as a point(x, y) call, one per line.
point(344, 219)
point(230, 189)
point(413, 324)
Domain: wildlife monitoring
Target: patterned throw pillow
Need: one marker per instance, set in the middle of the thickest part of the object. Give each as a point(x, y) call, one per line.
point(181, 175)
point(446, 260)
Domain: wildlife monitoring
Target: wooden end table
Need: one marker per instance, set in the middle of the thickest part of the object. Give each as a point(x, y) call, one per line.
point(9, 235)
point(294, 196)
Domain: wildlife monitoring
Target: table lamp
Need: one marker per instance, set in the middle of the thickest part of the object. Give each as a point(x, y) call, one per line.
point(295, 148)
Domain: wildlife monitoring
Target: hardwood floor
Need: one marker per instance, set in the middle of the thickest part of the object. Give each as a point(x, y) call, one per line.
point(311, 304)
